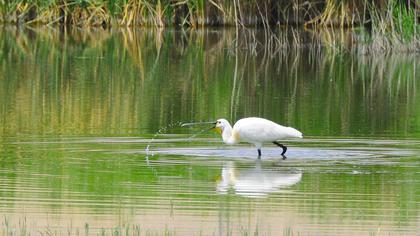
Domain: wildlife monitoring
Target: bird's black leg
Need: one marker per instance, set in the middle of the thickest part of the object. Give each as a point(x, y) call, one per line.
point(259, 153)
point(282, 146)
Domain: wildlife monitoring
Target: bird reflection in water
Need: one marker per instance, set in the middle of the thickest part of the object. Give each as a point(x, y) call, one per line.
point(255, 182)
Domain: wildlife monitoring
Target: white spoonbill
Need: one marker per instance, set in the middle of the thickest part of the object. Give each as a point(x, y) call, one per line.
point(256, 131)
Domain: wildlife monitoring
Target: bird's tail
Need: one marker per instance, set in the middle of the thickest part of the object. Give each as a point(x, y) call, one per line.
point(294, 133)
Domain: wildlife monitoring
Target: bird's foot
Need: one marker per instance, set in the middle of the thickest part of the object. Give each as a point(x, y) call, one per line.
point(282, 146)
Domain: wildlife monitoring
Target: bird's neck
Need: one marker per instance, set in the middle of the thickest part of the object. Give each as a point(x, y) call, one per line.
point(227, 136)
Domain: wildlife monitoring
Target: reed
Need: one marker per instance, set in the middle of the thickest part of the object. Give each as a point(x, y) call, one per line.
point(389, 25)
point(195, 13)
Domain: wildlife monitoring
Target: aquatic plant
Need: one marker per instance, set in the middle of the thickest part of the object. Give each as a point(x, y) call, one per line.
point(196, 13)
point(388, 24)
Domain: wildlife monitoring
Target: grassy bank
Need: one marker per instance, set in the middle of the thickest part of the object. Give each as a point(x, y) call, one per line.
point(196, 13)
point(389, 24)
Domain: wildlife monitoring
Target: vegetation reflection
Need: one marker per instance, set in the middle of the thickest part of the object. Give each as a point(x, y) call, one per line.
point(134, 82)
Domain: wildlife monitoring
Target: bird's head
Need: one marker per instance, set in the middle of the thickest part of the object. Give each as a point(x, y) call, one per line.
point(220, 125)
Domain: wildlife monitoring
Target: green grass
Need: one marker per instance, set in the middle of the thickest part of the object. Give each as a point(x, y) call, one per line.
point(392, 24)
point(196, 13)
point(394, 28)
point(21, 229)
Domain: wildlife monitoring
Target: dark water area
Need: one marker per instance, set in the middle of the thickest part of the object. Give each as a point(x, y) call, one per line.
point(91, 138)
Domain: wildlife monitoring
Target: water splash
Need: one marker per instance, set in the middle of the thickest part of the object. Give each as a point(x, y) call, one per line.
point(159, 132)
point(164, 129)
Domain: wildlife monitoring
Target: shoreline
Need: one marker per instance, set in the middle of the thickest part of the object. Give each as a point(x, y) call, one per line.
point(351, 40)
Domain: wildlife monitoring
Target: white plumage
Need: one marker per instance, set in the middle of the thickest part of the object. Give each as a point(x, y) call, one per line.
point(256, 131)
point(256, 181)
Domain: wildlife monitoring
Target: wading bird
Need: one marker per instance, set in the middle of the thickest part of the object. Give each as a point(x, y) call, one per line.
point(256, 131)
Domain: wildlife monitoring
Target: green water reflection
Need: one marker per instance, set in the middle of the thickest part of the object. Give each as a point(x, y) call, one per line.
point(78, 108)
point(134, 82)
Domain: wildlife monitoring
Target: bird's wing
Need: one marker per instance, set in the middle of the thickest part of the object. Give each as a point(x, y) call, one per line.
point(259, 130)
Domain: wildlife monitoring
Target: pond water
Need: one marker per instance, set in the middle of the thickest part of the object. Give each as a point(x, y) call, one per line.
point(91, 139)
